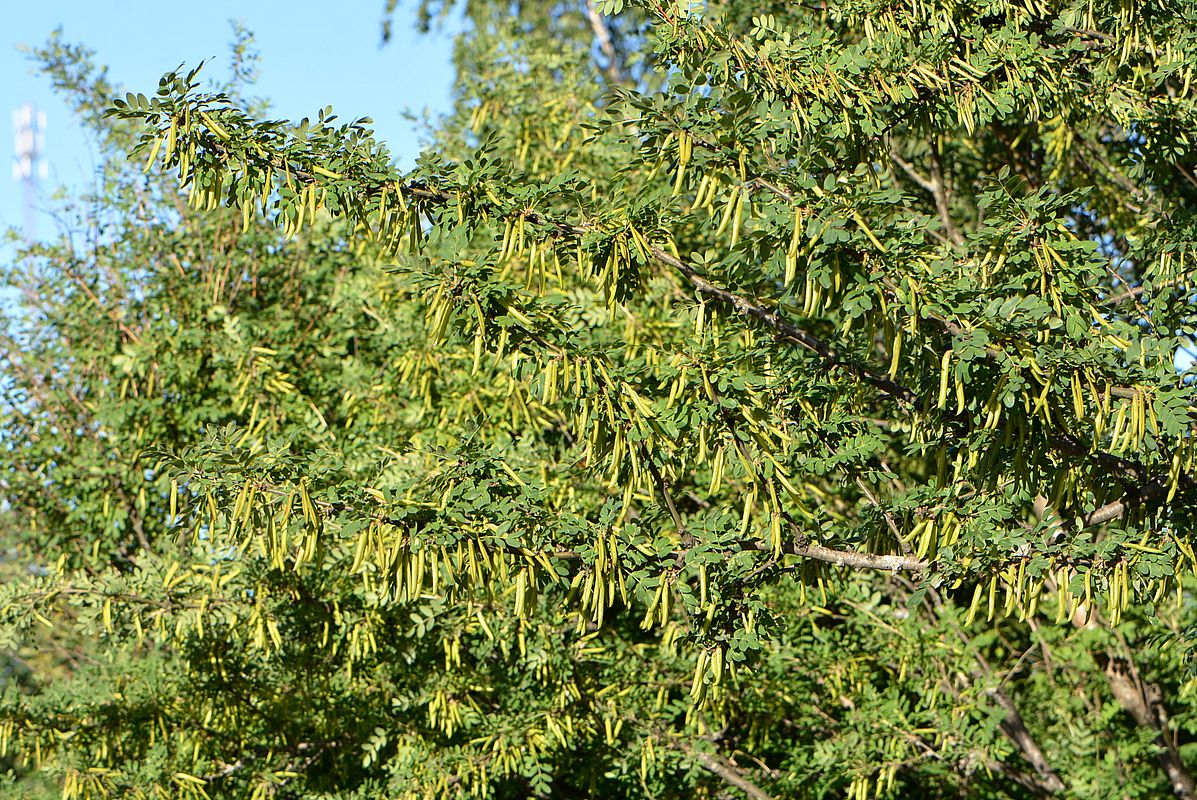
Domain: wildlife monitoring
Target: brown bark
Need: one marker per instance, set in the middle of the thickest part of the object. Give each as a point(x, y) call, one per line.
point(731, 775)
point(1144, 702)
point(606, 44)
point(1015, 729)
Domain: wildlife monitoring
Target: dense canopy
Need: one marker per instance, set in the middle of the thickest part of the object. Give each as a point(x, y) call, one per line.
point(737, 400)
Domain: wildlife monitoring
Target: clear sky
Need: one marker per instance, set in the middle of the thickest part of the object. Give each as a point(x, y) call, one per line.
point(313, 53)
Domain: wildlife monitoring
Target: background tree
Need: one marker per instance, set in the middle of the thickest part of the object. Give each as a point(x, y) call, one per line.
point(770, 401)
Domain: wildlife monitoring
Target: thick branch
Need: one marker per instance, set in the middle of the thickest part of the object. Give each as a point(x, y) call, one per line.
point(1031, 784)
point(606, 44)
point(1144, 703)
point(1115, 509)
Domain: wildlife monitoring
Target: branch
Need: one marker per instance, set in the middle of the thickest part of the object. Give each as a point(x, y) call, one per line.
point(1015, 728)
point(935, 187)
point(1186, 173)
point(1012, 726)
point(786, 330)
point(1129, 294)
point(603, 34)
point(1066, 444)
point(841, 558)
point(1143, 702)
point(663, 488)
point(914, 174)
point(224, 772)
point(848, 558)
point(1117, 508)
point(939, 191)
point(1031, 784)
point(729, 772)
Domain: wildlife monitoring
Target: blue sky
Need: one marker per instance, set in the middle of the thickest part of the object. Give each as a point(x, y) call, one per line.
point(313, 53)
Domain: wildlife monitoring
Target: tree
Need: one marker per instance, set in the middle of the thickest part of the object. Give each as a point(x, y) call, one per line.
point(736, 400)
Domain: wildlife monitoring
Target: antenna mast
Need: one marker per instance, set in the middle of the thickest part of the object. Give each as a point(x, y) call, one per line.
point(28, 166)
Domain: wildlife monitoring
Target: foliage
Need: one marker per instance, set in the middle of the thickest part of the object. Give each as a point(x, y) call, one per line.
point(737, 400)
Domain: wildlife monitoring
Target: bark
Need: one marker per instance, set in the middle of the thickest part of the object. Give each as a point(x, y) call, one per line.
point(731, 774)
point(603, 34)
point(1015, 729)
point(1144, 702)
